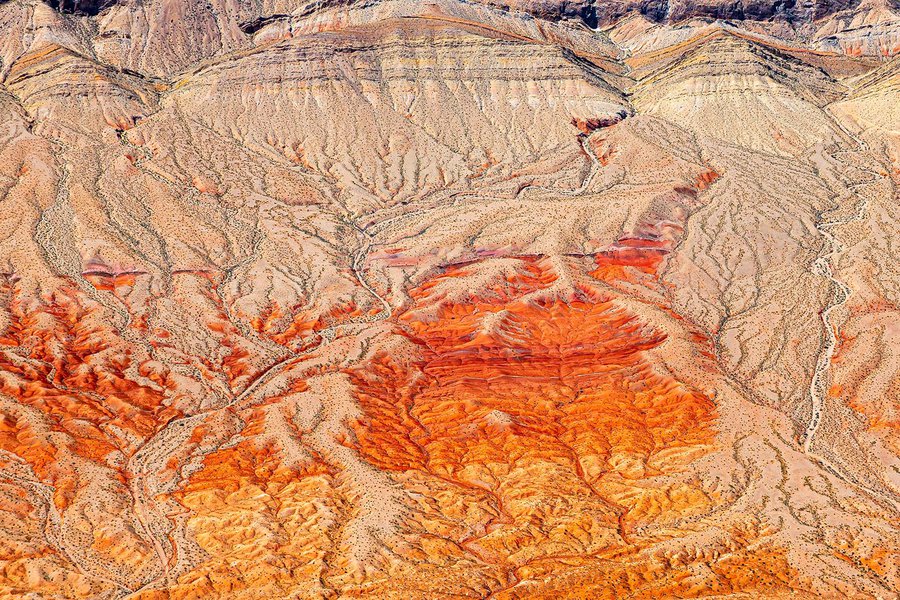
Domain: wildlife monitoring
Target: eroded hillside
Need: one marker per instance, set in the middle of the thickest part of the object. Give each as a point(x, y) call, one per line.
point(452, 299)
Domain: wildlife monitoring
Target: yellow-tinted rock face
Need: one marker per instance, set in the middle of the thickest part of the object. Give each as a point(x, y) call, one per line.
point(438, 300)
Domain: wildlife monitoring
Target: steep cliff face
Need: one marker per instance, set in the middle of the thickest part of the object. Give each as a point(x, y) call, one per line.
point(404, 300)
point(590, 11)
point(594, 12)
point(80, 7)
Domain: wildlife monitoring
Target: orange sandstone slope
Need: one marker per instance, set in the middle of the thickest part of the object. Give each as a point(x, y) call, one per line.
point(407, 300)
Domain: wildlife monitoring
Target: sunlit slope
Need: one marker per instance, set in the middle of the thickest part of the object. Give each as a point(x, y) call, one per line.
point(726, 87)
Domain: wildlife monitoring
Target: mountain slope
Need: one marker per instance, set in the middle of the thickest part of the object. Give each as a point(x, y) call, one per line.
point(403, 300)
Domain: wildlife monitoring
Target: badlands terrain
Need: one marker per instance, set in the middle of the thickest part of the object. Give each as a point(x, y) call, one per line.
point(398, 299)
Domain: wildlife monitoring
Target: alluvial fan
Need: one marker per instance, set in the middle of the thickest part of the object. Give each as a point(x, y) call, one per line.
point(390, 299)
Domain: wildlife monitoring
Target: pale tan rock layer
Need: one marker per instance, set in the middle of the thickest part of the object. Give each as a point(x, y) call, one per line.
point(430, 300)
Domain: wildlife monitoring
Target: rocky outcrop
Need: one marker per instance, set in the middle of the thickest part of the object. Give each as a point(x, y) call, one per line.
point(594, 13)
point(81, 7)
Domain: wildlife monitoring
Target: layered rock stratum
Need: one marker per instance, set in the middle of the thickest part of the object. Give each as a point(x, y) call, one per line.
point(393, 299)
